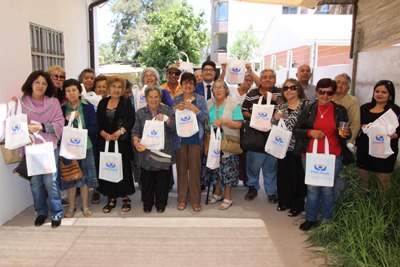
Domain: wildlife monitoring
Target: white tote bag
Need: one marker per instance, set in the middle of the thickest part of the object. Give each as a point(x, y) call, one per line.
point(320, 168)
point(140, 98)
point(236, 70)
point(261, 114)
point(153, 135)
point(185, 66)
point(379, 141)
point(110, 166)
point(186, 123)
point(214, 150)
point(40, 157)
point(278, 140)
point(74, 140)
point(17, 134)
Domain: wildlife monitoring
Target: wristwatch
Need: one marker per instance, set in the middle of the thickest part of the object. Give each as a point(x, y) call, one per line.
point(122, 131)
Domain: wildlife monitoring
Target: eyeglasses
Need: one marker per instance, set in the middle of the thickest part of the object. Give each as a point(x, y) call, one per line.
point(208, 69)
point(221, 88)
point(176, 73)
point(149, 76)
point(329, 93)
point(58, 77)
point(291, 88)
point(187, 82)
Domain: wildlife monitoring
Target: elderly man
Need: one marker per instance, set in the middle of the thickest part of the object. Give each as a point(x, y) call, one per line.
point(303, 75)
point(257, 160)
point(172, 85)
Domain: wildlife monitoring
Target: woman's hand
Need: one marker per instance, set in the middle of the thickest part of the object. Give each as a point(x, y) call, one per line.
point(393, 136)
point(278, 115)
point(159, 117)
point(317, 134)
point(192, 107)
point(33, 128)
point(219, 122)
point(344, 133)
point(139, 147)
point(115, 135)
point(106, 135)
point(180, 106)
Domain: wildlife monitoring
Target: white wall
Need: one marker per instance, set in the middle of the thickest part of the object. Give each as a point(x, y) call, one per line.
point(70, 17)
point(376, 65)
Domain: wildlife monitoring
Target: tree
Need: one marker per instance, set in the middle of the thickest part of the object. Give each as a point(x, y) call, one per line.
point(107, 53)
point(131, 29)
point(173, 30)
point(244, 45)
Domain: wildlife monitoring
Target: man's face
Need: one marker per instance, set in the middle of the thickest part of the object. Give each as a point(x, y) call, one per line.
point(208, 73)
point(303, 74)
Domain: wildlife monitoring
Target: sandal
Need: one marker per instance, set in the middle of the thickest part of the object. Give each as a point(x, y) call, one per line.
point(226, 203)
point(196, 207)
point(87, 212)
point(69, 213)
point(215, 198)
point(95, 198)
point(110, 205)
point(126, 205)
point(181, 206)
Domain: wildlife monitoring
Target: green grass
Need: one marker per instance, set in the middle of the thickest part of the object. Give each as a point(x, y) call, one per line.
point(365, 230)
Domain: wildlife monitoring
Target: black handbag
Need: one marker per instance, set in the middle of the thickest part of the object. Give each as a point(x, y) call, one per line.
point(252, 139)
point(22, 170)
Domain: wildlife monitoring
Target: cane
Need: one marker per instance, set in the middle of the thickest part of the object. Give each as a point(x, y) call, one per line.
point(208, 189)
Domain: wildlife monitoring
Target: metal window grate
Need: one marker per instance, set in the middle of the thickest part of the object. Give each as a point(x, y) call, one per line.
point(47, 47)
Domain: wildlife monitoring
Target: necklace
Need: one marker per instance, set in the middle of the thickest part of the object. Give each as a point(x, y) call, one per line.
point(322, 114)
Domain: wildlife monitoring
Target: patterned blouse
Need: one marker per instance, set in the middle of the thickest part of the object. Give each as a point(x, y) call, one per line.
point(290, 117)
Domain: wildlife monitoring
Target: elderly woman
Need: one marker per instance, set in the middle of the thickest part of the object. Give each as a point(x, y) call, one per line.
point(188, 161)
point(86, 112)
point(318, 120)
point(382, 100)
point(154, 167)
point(100, 85)
point(225, 112)
point(115, 118)
point(87, 77)
point(41, 107)
point(290, 181)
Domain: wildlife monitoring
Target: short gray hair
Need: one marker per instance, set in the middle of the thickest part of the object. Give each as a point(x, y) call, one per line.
point(154, 71)
point(344, 75)
point(152, 88)
point(268, 70)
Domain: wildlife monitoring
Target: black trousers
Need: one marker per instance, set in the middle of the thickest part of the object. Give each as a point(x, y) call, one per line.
point(290, 182)
point(155, 187)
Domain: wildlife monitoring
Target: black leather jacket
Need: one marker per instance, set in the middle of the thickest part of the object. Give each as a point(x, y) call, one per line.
point(305, 122)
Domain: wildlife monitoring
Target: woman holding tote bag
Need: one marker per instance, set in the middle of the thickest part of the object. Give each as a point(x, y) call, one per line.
point(85, 111)
point(290, 181)
point(44, 116)
point(320, 120)
point(225, 112)
point(116, 119)
point(188, 158)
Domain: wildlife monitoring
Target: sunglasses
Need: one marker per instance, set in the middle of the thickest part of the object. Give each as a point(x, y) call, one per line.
point(291, 88)
point(58, 77)
point(329, 93)
point(176, 73)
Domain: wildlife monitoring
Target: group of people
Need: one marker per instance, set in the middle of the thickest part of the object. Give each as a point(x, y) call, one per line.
point(310, 112)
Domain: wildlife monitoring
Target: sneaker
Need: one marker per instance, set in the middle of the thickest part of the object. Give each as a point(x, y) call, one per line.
point(55, 222)
point(251, 194)
point(40, 220)
point(305, 226)
point(64, 202)
point(273, 199)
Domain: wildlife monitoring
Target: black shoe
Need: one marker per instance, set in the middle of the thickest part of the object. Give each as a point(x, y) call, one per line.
point(281, 208)
point(95, 198)
point(305, 226)
point(251, 194)
point(293, 213)
point(64, 203)
point(55, 223)
point(146, 210)
point(161, 209)
point(40, 220)
point(273, 199)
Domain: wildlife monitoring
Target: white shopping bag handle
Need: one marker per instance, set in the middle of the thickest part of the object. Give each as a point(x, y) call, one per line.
point(282, 124)
point(217, 135)
point(14, 108)
point(315, 145)
point(72, 115)
point(38, 136)
point(269, 98)
point(115, 147)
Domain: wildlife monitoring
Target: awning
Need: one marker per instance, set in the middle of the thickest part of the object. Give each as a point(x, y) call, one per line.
point(305, 3)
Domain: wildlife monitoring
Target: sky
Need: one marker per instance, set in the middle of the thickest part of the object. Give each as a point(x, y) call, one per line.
point(104, 17)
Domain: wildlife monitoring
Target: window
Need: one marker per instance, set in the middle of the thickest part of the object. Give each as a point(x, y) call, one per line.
point(47, 47)
point(289, 9)
point(324, 9)
point(221, 42)
point(221, 11)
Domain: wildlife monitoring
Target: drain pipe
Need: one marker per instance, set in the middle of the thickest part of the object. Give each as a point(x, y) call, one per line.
point(91, 31)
